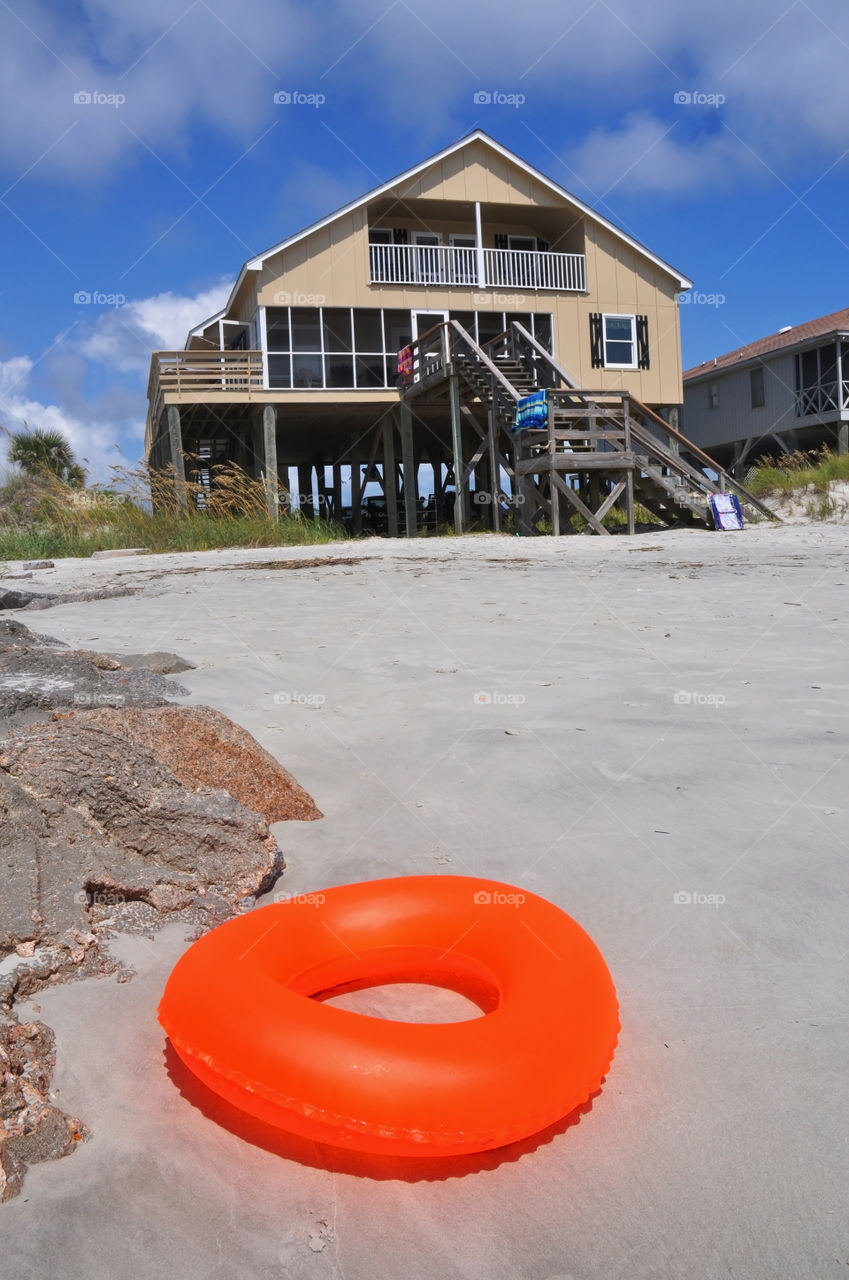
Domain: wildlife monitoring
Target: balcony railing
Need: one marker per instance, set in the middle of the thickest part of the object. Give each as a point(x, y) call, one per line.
point(176, 375)
point(822, 397)
point(451, 265)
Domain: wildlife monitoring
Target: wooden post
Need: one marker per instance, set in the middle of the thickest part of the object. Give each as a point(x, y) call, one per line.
point(629, 474)
point(554, 492)
point(408, 461)
point(390, 477)
point(175, 437)
point(337, 490)
point(843, 439)
point(305, 502)
point(457, 450)
point(494, 472)
point(269, 453)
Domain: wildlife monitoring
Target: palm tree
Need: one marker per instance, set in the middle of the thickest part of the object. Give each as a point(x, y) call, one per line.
point(39, 450)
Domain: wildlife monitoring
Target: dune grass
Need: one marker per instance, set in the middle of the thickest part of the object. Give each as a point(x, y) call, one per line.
point(772, 477)
point(44, 516)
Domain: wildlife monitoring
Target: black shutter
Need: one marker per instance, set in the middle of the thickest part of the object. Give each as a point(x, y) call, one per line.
point(542, 246)
point(642, 342)
point(501, 242)
point(399, 235)
point(596, 340)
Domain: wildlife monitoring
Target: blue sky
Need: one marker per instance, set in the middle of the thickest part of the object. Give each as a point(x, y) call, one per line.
point(716, 134)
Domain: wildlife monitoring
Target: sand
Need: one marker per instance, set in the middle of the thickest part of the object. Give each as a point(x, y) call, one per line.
point(660, 749)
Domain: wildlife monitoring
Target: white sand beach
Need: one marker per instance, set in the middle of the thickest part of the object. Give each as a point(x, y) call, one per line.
point(661, 752)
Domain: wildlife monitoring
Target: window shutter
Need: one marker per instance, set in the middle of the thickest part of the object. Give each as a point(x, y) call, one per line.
point(500, 242)
point(542, 246)
point(596, 341)
point(399, 235)
point(642, 342)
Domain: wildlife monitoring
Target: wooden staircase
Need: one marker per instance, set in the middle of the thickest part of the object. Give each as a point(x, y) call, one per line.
point(611, 445)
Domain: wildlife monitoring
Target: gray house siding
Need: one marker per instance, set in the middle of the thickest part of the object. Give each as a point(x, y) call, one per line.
point(734, 420)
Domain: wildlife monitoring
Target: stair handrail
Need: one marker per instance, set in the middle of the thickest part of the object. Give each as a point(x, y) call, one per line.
point(668, 429)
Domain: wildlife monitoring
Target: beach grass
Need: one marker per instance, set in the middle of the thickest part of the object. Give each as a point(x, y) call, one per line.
point(44, 517)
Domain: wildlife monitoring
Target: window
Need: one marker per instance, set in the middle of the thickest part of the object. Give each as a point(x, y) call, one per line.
point(379, 235)
point(756, 387)
point(713, 395)
point(620, 342)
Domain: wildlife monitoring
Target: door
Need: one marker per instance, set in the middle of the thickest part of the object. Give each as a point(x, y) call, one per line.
point(431, 358)
point(428, 258)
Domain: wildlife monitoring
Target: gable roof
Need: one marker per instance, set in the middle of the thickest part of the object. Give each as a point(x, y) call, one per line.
point(478, 135)
point(794, 335)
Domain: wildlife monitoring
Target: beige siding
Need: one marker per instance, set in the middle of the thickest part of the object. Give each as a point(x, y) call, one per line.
point(331, 267)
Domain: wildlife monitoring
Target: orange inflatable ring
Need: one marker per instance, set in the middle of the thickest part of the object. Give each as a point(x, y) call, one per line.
point(237, 1009)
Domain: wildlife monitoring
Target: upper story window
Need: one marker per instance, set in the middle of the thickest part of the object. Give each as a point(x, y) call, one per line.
point(619, 341)
point(756, 387)
point(713, 395)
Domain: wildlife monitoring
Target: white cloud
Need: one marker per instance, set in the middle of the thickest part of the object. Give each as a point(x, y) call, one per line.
point(123, 337)
point(645, 153)
point(91, 441)
point(117, 346)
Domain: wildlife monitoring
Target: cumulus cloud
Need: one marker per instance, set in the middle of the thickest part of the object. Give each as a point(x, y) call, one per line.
point(91, 385)
point(123, 337)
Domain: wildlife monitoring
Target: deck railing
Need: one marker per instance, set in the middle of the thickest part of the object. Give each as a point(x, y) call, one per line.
point(455, 266)
point(198, 373)
point(822, 397)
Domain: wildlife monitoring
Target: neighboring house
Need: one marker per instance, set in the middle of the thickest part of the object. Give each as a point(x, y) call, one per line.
point(785, 392)
point(300, 369)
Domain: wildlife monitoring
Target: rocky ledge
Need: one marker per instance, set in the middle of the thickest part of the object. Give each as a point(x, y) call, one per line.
point(113, 817)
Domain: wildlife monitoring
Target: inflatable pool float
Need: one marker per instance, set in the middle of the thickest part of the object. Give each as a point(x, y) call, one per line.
point(240, 1009)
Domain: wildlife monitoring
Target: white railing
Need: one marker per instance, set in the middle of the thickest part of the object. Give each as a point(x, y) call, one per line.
point(523, 269)
point(822, 397)
point(503, 268)
point(422, 264)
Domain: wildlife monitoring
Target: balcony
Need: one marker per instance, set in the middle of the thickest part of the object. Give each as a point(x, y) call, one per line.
point(195, 376)
point(450, 265)
point(822, 398)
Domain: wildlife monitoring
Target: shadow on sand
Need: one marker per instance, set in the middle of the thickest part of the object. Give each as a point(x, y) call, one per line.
point(358, 1164)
